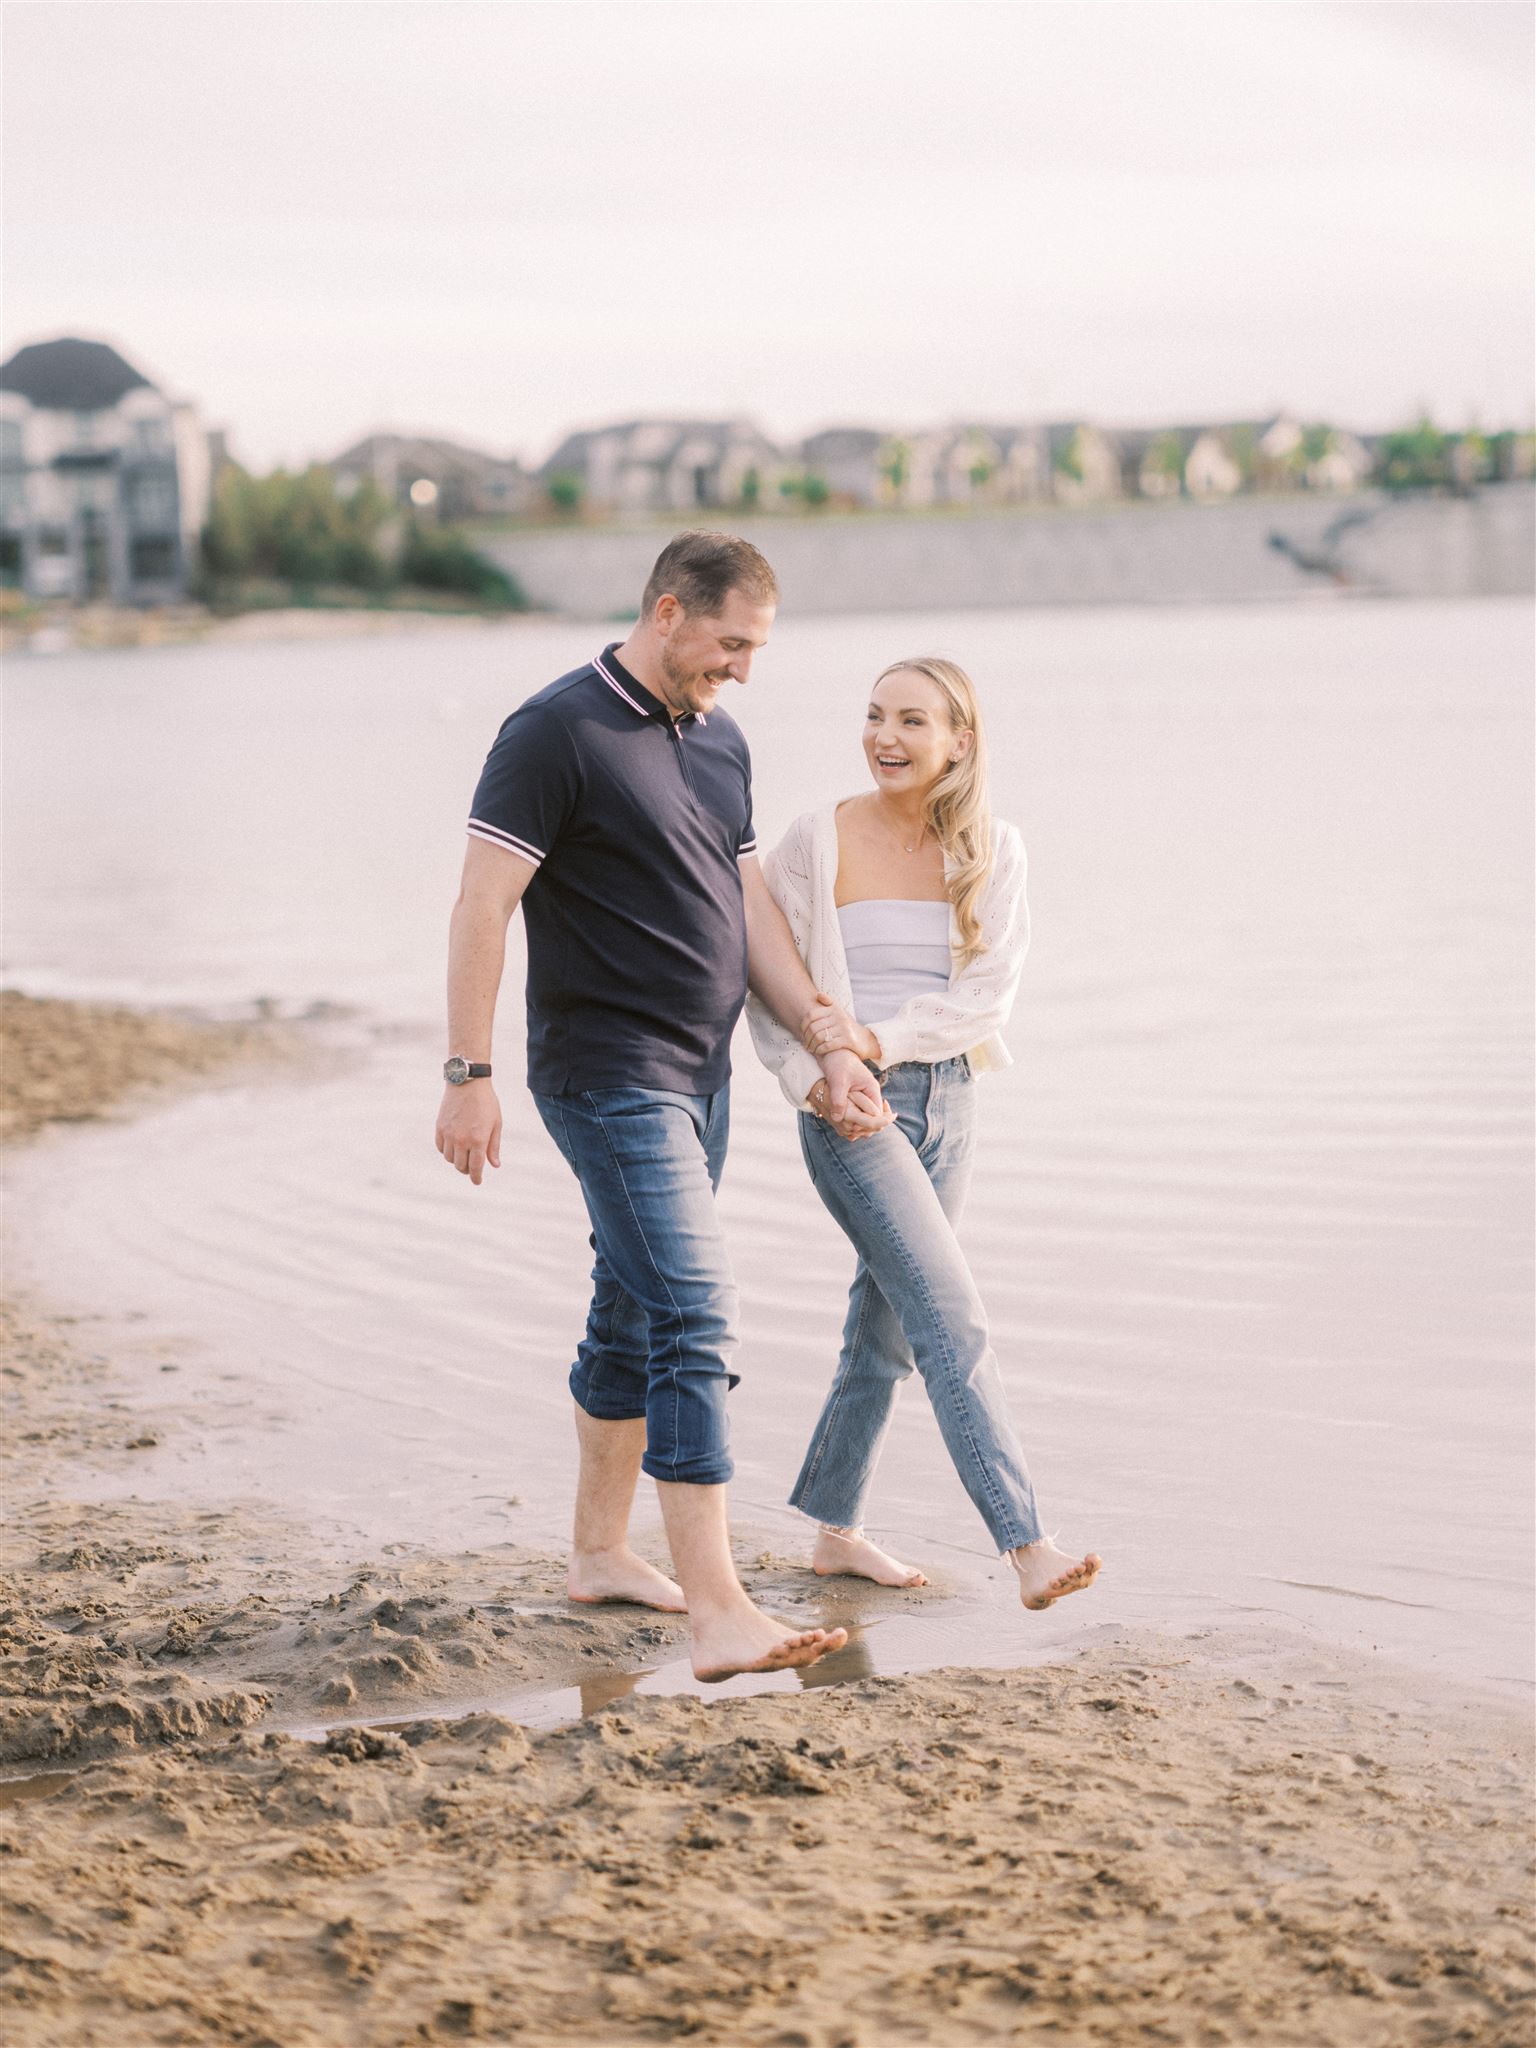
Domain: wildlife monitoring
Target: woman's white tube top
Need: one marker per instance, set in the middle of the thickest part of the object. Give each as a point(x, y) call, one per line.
point(896, 950)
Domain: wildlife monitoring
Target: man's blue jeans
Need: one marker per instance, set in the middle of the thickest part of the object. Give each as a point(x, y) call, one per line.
point(898, 1197)
point(662, 1325)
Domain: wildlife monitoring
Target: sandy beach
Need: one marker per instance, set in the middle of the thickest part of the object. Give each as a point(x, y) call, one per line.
point(257, 1793)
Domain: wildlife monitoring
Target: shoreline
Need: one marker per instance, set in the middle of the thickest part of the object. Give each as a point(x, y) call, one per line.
point(1205, 1838)
point(100, 628)
point(65, 1062)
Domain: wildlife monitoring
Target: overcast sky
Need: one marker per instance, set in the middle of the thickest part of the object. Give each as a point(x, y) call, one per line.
point(493, 221)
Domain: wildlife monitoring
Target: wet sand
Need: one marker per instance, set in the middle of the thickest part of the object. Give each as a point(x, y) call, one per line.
point(76, 1062)
point(211, 1832)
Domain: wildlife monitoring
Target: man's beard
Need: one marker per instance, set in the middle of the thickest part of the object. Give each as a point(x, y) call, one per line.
point(682, 682)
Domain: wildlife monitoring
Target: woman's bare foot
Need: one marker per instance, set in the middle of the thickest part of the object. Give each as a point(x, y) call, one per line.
point(850, 1551)
point(746, 1639)
point(594, 1576)
point(1047, 1574)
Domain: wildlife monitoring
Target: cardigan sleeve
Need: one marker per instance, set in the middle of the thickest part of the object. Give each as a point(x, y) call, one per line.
point(980, 997)
point(791, 884)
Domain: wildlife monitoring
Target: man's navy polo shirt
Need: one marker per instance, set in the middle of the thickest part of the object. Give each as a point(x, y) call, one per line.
point(637, 935)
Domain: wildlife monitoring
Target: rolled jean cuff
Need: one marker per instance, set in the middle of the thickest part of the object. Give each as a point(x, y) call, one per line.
point(704, 1470)
point(603, 1407)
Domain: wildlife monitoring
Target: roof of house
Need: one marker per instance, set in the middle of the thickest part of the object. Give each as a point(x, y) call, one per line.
point(843, 444)
point(424, 451)
point(661, 439)
point(69, 375)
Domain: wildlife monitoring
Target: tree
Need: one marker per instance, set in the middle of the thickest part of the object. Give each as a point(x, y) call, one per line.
point(809, 486)
point(1068, 459)
point(1415, 458)
point(565, 490)
point(437, 558)
point(1165, 460)
point(296, 530)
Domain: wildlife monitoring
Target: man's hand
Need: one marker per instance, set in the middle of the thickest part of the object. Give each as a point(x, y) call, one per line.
point(469, 1128)
point(855, 1108)
point(830, 1029)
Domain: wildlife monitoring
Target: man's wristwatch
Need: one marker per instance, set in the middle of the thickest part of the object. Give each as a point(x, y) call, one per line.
point(457, 1071)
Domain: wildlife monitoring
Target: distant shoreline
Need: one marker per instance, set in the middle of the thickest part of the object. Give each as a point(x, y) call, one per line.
point(62, 629)
point(1258, 549)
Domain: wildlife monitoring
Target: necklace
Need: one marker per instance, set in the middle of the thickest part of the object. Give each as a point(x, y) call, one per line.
point(922, 838)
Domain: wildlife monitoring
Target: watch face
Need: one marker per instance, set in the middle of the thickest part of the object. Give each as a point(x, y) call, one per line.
point(456, 1070)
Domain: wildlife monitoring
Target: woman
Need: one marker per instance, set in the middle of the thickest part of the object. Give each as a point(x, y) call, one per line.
point(907, 904)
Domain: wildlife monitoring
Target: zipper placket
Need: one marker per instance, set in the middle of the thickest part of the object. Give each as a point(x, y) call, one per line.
point(682, 758)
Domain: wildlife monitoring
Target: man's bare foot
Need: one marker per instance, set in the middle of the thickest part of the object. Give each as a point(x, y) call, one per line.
point(851, 1552)
point(748, 1640)
point(1047, 1574)
point(594, 1576)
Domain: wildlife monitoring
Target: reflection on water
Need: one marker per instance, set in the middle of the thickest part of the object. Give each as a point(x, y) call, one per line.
point(604, 1687)
point(1251, 1213)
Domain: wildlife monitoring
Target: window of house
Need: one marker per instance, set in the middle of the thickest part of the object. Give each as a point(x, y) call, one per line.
point(53, 540)
point(154, 501)
point(10, 441)
point(151, 437)
point(10, 557)
point(13, 501)
point(151, 558)
point(85, 430)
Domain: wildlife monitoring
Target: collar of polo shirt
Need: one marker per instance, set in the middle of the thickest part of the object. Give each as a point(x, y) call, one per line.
point(634, 692)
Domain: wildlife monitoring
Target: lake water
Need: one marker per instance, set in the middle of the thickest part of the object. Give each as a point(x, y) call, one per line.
point(1253, 1209)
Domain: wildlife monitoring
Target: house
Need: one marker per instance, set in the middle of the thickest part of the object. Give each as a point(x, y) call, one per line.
point(1212, 468)
point(1342, 464)
point(664, 466)
point(1288, 454)
point(962, 464)
point(1085, 463)
point(855, 463)
point(440, 478)
point(970, 464)
point(1152, 460)
point(1023, 472)
point(104, 480)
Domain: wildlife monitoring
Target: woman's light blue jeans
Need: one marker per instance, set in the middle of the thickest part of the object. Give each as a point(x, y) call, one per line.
point(898, 1197)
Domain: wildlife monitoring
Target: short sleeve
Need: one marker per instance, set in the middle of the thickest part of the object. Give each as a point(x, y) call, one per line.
point(528, 786)
point(747, 843)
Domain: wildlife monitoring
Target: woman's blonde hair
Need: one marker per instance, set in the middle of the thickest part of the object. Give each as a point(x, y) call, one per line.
point(957, 810)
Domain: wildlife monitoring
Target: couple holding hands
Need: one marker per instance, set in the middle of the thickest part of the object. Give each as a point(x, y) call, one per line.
point(878, 949)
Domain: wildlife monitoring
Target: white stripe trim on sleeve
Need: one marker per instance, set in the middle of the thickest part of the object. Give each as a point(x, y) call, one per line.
point(743, 851)
point(494, 836)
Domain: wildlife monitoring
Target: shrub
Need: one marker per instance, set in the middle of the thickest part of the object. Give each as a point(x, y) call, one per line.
point(438, 558)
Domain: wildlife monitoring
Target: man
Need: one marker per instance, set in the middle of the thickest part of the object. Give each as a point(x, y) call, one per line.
point(616, 807)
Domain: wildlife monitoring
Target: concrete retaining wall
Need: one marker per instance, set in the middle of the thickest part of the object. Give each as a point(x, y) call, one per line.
point(1136, 554)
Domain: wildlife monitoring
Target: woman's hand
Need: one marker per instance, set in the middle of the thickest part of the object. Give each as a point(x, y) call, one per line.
point(859, 1118)
point(830, 1029)
point(848, 1098)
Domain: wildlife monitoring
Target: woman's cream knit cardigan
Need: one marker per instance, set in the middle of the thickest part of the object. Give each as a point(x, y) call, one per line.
point(801, 873)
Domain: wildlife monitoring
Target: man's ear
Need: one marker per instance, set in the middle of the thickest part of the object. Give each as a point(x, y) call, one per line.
point(667, 613)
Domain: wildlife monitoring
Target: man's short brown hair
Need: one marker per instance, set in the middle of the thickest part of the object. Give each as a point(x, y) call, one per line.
point(701, 569)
